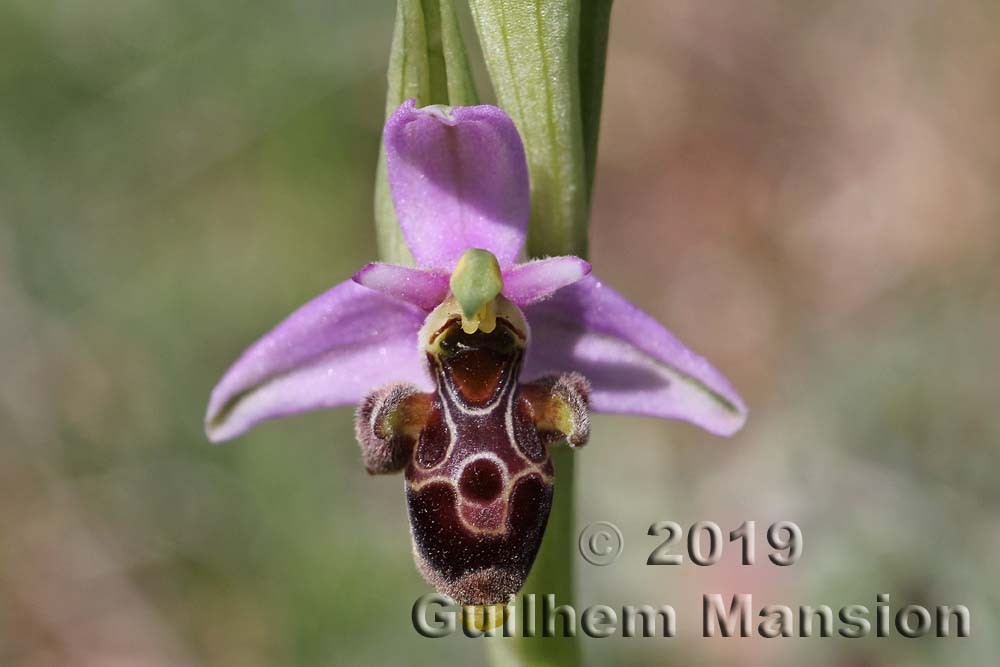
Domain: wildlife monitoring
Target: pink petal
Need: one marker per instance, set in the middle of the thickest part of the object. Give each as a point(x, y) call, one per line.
point(535, 281)
point(634, 365)
point(459, 180)
point(421, 287)
point(328, 353)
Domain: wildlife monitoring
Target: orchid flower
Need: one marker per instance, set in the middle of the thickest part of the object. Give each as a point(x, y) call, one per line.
point(470, 365)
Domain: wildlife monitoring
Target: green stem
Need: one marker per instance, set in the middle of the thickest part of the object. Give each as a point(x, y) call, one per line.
point(546, 61)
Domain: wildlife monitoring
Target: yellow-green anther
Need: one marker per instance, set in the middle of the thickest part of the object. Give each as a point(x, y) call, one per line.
point(476, 282)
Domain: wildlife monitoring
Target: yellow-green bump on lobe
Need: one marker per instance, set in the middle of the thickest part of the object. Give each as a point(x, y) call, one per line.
point(476, 282)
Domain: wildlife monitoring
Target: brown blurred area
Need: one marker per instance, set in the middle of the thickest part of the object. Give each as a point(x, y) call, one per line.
point(805, 192)
point(799, 166)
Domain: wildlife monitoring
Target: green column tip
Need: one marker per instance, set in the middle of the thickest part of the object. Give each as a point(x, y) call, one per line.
point(476, 282)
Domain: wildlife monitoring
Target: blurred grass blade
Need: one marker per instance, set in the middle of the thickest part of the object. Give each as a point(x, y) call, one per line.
point(530, 48)
point(428, 62)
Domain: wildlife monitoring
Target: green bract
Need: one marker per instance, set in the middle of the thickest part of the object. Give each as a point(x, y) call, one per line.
point(428, 63)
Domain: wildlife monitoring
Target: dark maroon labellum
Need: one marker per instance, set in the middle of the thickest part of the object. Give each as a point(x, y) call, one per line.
point(479, 487)
point(479, 479)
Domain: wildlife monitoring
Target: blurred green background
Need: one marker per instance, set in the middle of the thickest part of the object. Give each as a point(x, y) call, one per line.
point(806, 192)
